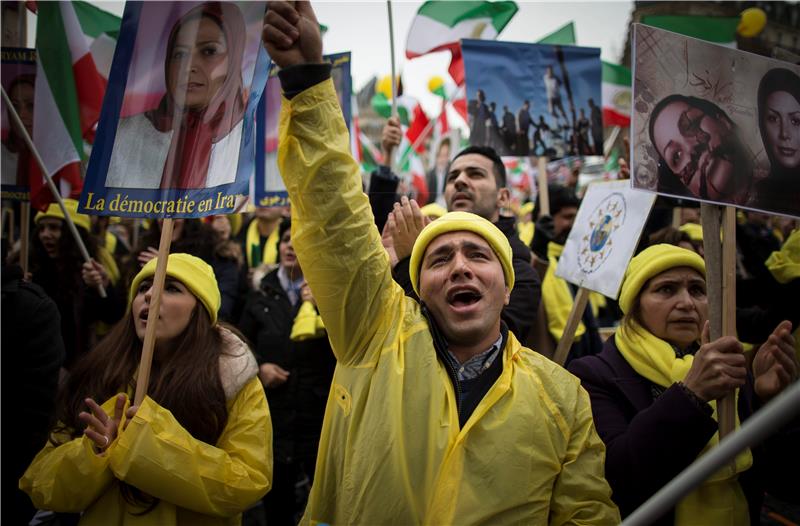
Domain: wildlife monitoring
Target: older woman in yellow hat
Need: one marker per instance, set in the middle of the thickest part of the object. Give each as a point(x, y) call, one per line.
point(196, 451)
point(655, 386)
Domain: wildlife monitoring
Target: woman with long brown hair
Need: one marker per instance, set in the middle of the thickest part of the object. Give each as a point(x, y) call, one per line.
point(196, 451)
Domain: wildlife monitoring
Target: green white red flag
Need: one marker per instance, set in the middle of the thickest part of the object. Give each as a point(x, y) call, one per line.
point(69, 88)
point(616, 95)
point(439, 25)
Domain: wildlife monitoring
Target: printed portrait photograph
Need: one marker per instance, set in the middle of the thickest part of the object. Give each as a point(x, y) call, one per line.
point(188, 77)
point(534, 99)
point(715, 124)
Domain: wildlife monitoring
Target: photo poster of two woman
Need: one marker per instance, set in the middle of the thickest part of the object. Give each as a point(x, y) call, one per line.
point(177, 132)
point(715, 124)
point(268, 187)
point(534, 99)
point(18, 76)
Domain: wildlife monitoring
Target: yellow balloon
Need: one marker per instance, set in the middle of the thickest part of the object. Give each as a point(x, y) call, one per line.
point(384, 87)
point(435, 83)
point(752, 22)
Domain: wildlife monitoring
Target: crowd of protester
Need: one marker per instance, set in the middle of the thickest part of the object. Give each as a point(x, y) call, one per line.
point(324, 362)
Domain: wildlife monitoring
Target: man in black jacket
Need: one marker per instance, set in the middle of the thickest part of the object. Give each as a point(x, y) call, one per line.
point(33, 352)
point(475, 183)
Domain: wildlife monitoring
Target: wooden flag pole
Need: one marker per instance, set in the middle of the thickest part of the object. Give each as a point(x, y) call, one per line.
point(717, 300)
point(726, 408)
point(390, 160)
point(544, 195)
point(56, 195)
point(24, 235)
point(568, 336)
point(676, 217)
point(143, 377)
point(710, 219)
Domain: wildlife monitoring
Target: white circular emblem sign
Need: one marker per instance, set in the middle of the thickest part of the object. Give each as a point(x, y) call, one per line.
point(604, 221)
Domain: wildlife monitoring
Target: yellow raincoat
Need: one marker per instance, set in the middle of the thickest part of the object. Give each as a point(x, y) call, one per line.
point(391, 449)
point(198, 484)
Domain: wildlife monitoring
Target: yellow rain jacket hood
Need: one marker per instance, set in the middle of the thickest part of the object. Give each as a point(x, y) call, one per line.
point(391, 449)
point(198, 484)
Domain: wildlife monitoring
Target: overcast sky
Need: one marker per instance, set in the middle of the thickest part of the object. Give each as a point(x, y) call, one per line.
point(361, 27)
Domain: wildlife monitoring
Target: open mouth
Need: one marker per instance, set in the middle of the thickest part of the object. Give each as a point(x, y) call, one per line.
point(463, 297)
point(144, 314)
point(787, 152)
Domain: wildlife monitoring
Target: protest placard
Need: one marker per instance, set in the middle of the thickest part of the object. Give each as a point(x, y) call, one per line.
point(604, 236)
point(268, 188)
point(715, 124)
point(600, 245)
point(18, 73)
point(176, 136)
point(533, 99)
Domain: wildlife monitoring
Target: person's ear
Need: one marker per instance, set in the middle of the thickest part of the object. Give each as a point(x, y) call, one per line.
point(507, 298)
point(503, 198)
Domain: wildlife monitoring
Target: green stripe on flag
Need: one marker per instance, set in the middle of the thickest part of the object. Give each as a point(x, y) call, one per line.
point(95, 22)
point(54, 54)
point(451, 13)
point(564, 36)
point(614, 74)
point(710, 28)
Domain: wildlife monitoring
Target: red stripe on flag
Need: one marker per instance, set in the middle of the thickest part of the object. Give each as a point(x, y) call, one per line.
point(444, 125)
point(456, 68)
point(421, 186)
point(418, 124)
point(460, 105)
point(613, 118)
point(91, 87)
point(40, 192)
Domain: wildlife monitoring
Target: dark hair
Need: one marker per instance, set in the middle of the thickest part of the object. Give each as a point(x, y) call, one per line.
point(186, 382)
point(670, 236)
point(668, 181)
point(707, 107)
point(67, 264)
point(560, 197)
point(497, 163)
point(779, 79)
point(283, 226)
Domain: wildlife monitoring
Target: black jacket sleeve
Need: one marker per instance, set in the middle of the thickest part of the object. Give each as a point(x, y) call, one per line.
point(382, 194)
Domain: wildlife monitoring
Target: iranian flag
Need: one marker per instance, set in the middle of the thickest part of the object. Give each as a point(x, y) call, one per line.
point(716, 29)
point(439, 25)
point(69, 89)
point(616, 95)
point(411, 116)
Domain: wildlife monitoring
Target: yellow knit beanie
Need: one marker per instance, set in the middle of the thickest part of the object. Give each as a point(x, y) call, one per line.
point(693, 230)
point(81, 220)
point(433, 210)
point(193, 272)
point(653, 261)
point(462, 222)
